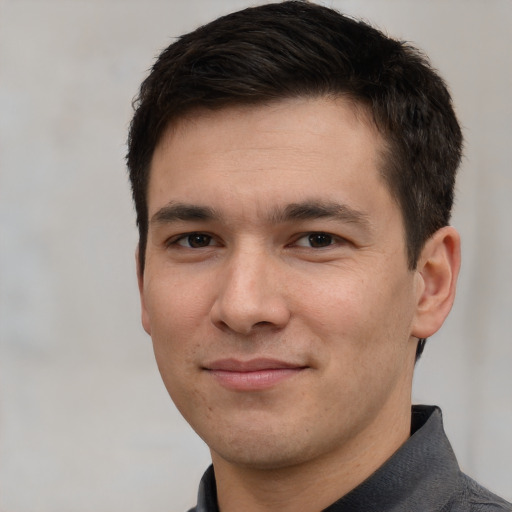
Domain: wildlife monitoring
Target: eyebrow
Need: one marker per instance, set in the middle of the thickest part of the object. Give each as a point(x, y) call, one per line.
point(311, 210)
point(185, 212)
point(307, 210)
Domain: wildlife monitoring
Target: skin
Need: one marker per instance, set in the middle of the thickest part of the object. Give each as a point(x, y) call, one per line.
point(236, 272)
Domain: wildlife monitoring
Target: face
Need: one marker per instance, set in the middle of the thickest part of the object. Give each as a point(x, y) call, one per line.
point(276, 288)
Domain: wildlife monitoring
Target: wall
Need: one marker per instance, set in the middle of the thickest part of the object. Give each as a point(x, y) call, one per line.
point(85, 423)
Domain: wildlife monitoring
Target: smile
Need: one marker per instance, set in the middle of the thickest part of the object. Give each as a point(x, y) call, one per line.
point(253, 375)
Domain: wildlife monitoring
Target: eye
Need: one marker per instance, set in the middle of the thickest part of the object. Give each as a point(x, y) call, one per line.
point(194, 240)
point(316, 240)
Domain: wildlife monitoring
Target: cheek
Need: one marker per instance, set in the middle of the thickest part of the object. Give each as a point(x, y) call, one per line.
point(178, 315)
point(359, 313)
point(175, 302)
point(335, 304)
point(362, 332)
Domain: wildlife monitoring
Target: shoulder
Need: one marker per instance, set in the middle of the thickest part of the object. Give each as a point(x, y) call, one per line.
point(476, 498)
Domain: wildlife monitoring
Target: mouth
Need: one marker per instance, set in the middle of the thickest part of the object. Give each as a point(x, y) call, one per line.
point(252, 375)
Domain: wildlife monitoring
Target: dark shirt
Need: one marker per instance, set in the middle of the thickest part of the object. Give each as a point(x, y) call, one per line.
point(422, 476)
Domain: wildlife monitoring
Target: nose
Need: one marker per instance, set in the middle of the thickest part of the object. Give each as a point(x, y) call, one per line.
point(250, 295)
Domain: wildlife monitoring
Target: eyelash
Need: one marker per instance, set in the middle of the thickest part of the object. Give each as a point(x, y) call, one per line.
point(332, 239)
point(187, 237)
point(329, 238)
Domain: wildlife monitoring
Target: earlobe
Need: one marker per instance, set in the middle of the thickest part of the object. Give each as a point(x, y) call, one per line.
point(140, 281)
point(437, 271)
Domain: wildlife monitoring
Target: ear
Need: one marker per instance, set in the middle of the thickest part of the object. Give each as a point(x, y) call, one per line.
point(140, 280)
point(437, 272)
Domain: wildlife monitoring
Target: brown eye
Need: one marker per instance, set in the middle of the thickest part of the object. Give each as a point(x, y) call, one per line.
point(319, 240)
point(195, 240)
point(316, 240)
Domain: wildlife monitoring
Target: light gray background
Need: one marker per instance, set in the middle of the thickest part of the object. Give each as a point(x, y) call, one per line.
point(85, 423)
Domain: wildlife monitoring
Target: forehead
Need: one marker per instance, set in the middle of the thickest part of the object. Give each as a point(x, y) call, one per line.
point(293, 147)
point(338, 109)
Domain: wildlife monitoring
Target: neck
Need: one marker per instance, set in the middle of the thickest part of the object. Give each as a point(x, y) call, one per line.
point(315, 484)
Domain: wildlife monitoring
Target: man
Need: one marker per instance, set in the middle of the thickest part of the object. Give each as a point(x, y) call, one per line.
point(293, 175)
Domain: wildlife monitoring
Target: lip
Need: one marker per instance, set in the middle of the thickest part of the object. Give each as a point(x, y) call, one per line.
point(252, 375)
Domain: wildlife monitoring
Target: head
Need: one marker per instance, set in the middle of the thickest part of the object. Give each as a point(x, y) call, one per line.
point(293, 174)
point(298, 49)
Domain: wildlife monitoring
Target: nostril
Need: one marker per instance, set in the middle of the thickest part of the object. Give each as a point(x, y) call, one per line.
point(262, 324)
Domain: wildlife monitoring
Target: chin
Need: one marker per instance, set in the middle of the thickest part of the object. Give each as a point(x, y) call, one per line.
point(263, 458)
point(264, 449)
